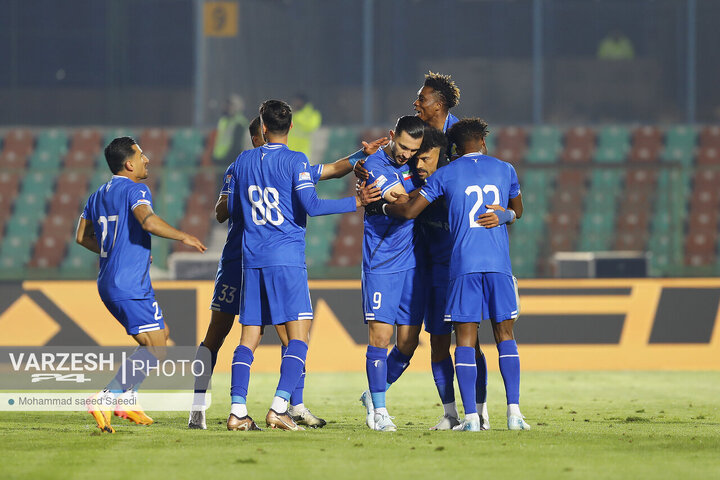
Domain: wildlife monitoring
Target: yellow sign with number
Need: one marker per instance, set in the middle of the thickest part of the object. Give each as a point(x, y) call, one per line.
point(220, 19)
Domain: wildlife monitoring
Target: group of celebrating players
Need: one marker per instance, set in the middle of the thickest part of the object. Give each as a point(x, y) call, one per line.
point(435, 251)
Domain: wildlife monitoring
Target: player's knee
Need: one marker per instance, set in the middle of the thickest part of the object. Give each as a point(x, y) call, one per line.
point(439, 347)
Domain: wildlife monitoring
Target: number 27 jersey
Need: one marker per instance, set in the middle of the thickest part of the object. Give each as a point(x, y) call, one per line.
point(468, 184)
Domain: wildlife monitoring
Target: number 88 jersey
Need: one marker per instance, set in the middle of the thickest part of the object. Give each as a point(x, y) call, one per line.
point(468, 184)
point(124, 245)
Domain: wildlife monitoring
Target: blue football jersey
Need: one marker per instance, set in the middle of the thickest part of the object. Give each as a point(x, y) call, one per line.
point(272, 194)
point(388, 243)
point(468, 184)
point(232, 251)
point(124, 245)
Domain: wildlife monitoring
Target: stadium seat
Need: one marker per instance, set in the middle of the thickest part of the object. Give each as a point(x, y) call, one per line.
point(708, 156)
point(45, 161)
point(86, 140)
point(54, 141)
point(680, 143)
point(710, 137)
point(613, 145)
point(111, 135)
point(189, 141)
point(19, 141)
point(154, 143)
point(79, 159)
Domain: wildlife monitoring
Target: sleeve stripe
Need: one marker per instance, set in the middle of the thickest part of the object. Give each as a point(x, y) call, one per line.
point(140, 202)
point(304, 185)
point(388, 186)
point(422, 192)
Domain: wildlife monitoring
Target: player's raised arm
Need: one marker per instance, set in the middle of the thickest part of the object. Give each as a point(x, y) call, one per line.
point(151, 223)
point(353, 162)
point(85, 235)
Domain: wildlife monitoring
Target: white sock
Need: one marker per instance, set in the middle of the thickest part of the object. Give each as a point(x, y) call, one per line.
point(279, 404)
point(482, 409)
point(199, 399)
point(238, 409)
point(513, 409)
point(451, 409)
point(381, 411)
point(472, 416)
point(297, 408)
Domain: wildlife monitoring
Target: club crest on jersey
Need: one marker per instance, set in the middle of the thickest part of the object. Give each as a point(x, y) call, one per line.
point(305, 176)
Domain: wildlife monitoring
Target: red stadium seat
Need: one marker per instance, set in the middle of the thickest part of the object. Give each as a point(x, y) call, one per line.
point(155, 142)
point(86, 140)
point(708, 156)
point(19, 141)
point(511, 144)
point(710, 137)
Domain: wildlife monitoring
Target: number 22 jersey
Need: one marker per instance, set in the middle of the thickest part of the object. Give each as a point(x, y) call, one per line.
point(468, 184)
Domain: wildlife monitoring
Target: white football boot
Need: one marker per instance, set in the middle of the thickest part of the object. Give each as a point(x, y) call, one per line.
point(367, 402)
point(384, 423)
point(447, 422)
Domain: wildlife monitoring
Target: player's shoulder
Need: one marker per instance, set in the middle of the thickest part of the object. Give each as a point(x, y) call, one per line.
point(377, 160)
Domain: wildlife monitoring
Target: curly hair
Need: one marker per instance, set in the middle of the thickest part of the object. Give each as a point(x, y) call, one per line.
point(468, 129)
point(445, 87)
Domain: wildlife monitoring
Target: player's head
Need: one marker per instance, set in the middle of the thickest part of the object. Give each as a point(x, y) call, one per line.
point(124, 157)
point(431, 150)
point(469, 135)
point(275, 117)
point(437, 95)
point(406, 138)
point(256, 135)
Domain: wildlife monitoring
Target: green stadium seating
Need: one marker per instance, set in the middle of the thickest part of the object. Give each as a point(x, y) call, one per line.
point(45, 160)
point(613, 145)
point(53, 140)
point(111, 135)
point(680, 142)
point(189, 141)
point(182, 158)
point(545, 145)
point(596, 241)
point(490, 143)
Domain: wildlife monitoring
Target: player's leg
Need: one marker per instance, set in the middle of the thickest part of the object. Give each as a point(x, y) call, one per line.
point(408, 319)
point(240, 378)
point(297, 409)
point(440, 359)
point(289, 303)
point(503, 309)
point(481, 386)
point(220, 325)
point(253, 307)
point(379, 334)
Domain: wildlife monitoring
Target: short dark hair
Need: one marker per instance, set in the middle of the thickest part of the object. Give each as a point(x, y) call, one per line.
point(445, 87)
point(468, 129)
point(118, 151)
point(410, 124)
point(433, 138)
point(254, 127)
point(276, 116)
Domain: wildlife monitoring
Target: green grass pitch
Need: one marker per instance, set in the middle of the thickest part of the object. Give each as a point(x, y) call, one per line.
point(635, 425)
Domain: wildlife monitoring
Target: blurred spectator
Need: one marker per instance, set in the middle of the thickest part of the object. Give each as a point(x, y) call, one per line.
point(615, 46)
point(230, 131)
point(305, 121)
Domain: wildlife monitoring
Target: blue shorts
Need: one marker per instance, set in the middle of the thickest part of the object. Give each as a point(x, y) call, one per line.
point(274, 295)
point(226, 297)
point(137, 315)
point(394, 298)
point(479, 296)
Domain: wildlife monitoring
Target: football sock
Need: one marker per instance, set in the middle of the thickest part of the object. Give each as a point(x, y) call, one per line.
point(296, 398)
point(238, 409)
point(240, 377)
point(291, 369)
point(376, 368)
point(482, 375)
point(466, 371)
point(482, 410)
point(397, 362)
point(444, 376)
point(510, 370)
point(279, 404)
point(203, 381)
point(133, 371)
point(513, 409)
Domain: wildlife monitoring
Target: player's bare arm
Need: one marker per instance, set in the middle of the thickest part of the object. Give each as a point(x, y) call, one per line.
point(406, 210)
point(221, 209)
point(85, 235)
point(345, 165)
point(491, 219)
point(151, 223)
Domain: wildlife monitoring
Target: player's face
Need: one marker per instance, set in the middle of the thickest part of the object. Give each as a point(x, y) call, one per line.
point(403, 147)
point(427, 104)
point(139, 163)
point(427, 162)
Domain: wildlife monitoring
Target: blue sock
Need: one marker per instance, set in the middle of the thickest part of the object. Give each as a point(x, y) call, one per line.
point(132, 372)
point(376, 368)
point(297, 395)
point(510, 369)
point(397, 363)
point(444, 376)
point(202, 381)
point(240, 379)
point(291, 368)
point(466, 371)
point(481, 382)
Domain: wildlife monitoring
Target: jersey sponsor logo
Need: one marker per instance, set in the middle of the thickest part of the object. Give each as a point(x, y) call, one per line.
point(305, 176)
point(381, 181)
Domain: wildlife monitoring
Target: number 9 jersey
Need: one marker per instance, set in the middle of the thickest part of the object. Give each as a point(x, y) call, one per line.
point(468, 184)
point(124, 245)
